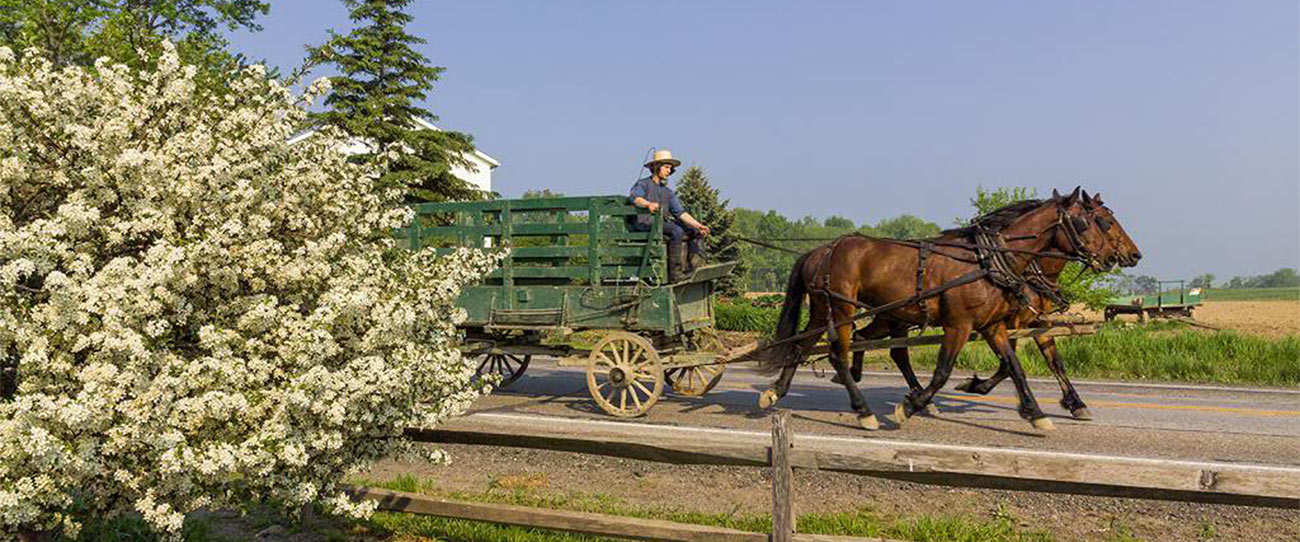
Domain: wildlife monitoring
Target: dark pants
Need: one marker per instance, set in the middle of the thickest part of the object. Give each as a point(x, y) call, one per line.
point(676, 232)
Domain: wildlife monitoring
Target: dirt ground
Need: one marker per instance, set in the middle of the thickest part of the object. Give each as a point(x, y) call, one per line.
point(641, 485)
point(1266, 318)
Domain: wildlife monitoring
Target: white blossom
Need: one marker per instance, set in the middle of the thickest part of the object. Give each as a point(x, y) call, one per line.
point(200, 313)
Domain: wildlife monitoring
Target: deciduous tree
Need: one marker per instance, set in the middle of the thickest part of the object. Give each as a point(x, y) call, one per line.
point(76, 32)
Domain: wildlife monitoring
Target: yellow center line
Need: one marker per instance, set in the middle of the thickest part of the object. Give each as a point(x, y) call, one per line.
point(1233, 410)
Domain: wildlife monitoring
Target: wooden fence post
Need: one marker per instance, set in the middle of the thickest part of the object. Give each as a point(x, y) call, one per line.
point(782, 479)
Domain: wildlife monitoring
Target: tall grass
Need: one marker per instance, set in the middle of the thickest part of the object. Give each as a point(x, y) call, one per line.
point(1156, 351)
point(1143, 353)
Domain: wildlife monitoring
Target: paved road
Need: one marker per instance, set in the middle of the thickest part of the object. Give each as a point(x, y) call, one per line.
point(1147, 420)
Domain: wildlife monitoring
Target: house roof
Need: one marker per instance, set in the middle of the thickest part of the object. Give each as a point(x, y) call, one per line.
point(422, 123)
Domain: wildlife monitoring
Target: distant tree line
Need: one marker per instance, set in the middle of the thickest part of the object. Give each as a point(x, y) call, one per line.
point(769, 268)
point(1284, 277)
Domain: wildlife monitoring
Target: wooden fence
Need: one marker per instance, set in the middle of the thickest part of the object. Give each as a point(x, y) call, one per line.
point(1057, 472)
point(783, 518)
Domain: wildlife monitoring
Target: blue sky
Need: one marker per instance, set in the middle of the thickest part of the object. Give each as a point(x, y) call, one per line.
point(1184, 115)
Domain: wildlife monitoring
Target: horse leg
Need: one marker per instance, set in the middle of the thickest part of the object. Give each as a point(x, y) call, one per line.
point(779, 388)
point(903, 361)
point(954, 338)
point(982, 386)
point(996, 336)
point(841, 343)
point(817, 310)
point(874, 330)
point(1069, 397)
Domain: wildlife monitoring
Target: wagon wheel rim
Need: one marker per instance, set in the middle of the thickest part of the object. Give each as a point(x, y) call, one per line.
point(509, 367)
point(624, 375)
point(694, 381)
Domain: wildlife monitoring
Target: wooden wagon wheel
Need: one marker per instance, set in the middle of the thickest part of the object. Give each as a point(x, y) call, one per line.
point(624, 374)
point(696, 380)
point(508, 366)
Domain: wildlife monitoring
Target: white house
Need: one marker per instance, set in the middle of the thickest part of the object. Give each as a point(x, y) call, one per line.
point(481, 177)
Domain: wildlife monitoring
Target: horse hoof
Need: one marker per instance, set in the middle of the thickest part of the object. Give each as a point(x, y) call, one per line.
point(900, 414)
point(932, 409)
point(869, 422)
point(767, 399)
point(1081, 413)
point(968, 386)
point(1043, 424)
point(835, 379)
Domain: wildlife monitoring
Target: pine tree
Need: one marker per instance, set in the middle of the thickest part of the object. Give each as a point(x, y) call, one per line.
point(375, 99)
point(702, 201)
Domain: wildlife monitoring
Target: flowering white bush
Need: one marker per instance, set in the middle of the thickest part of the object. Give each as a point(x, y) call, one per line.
point(196, 312)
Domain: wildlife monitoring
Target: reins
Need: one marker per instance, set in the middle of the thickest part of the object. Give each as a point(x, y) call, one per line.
point(991, 254)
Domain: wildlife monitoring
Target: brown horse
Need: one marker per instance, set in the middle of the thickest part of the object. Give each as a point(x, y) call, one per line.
point(1120, 250)
point(875, 272)
point(1125, 254)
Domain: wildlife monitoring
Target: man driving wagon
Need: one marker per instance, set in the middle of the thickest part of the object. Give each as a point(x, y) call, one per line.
point(683, 231)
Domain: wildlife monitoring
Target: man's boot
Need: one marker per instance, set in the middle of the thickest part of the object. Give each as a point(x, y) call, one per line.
point(676, 262)
point(696, 259)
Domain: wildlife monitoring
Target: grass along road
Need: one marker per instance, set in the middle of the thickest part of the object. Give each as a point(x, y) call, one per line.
point(1261, 346)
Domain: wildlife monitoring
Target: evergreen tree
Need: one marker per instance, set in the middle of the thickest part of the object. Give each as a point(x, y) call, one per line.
point(702, 201)
point(375, 100)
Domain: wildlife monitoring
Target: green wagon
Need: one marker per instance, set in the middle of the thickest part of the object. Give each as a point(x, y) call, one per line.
point(1166, 303)
point(575, 265)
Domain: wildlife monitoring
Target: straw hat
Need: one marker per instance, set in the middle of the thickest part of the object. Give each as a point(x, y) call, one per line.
point(663, 156)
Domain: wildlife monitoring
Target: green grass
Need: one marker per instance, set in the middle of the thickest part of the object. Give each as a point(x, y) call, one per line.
point(759, 315)
point(1253, 294)
point(1160, 350)
point(862, 522)
point(1163, 351)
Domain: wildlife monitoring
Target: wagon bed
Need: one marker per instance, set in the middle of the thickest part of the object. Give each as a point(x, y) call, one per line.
point(1166, 303)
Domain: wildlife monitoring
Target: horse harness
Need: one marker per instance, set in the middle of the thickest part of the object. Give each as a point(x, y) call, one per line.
point(991, 254)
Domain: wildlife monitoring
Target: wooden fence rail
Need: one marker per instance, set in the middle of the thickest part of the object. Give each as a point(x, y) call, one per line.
point(783, 520)
point(1258, 485)
point(954, 465)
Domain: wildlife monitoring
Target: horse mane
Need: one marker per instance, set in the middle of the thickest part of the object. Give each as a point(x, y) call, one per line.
point(998, 219)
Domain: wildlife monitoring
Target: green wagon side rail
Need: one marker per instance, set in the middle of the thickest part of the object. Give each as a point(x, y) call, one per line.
point(574, 263)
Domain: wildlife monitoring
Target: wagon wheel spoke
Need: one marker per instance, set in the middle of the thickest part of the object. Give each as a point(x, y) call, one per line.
point(642, 387)
point(636, 399)
point(505, 369)
point(622, 398)
point(518, 365)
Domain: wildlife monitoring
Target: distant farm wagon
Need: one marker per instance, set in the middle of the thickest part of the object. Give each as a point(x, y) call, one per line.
point(1163, 304)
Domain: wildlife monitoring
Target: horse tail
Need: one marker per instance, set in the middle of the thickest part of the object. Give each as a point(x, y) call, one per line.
point(786, 354)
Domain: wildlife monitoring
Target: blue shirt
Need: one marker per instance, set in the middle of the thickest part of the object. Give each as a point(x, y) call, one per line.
point(647, 188)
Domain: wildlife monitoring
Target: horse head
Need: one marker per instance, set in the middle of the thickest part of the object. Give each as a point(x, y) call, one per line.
point(1125, 252)
point(1076, 235)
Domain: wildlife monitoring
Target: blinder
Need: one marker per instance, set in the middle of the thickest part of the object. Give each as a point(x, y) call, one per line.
point(1080, 225)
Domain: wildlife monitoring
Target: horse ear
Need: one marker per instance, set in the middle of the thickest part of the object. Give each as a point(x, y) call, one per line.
point(1087, 200)
point(1096, 199)
point(1055, 194)
point(1074, 196)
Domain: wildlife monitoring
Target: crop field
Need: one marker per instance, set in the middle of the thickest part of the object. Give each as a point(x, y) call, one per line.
point(1253, 294)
